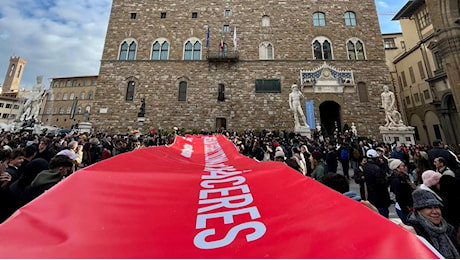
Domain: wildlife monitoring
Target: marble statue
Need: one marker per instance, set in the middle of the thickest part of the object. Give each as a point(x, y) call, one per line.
point(295, 104)
point(354, 131)
point(392, 116)
point(34, 101)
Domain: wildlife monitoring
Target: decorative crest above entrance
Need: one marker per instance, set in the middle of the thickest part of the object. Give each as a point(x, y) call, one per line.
point(326, 79)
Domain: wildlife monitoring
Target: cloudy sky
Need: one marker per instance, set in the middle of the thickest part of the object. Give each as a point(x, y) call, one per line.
point(64, 38)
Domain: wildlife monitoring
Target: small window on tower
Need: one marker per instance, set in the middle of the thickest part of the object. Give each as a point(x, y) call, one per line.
point(133, 16)
point(194, 15)
point(163, 15)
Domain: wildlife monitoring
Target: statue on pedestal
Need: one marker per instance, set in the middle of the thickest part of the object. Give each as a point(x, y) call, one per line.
point(392, 116)
point(33, 103)
point(295, 105)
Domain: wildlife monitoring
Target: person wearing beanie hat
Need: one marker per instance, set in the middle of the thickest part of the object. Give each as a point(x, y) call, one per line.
point(428, 222)
point(279, 155)
point(431, 182)
point(402, 187)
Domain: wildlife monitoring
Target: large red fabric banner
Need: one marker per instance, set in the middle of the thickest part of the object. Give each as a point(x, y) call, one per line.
point(199, 198)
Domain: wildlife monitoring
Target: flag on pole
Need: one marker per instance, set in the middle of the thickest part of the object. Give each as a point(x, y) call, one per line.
point(234, 39)
point(207, 37)
point(221, 44)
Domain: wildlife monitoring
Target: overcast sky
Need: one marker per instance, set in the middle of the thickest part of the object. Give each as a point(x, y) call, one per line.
point(65, 38)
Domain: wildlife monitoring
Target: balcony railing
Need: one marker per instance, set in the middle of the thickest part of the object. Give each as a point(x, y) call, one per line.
point(222, 56)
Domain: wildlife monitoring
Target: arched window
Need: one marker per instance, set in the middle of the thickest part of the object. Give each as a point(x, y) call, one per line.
point(64, 97)
point(350, 18)
point(90, 95)
point(128, 50)
point(355, 49)
point(79, 110)
point(319, 19)
point(82, 95)
point(362, 92)
point(69, 109)
point(322, 49)
point(182, 91)
point(61, 110)
point(160, 50)
point(88, 109)
point(130, 90)
point(58, 96)
point(72, 96)
point(265, 21)
point(192, 50)
point(266, 51)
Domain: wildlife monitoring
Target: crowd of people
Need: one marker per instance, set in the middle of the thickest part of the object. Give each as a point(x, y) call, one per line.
point(423, 182)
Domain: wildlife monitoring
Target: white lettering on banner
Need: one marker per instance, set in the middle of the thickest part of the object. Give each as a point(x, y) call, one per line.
point(187, 150)
point(200, 238)
point(208, 184)
point(228, 205)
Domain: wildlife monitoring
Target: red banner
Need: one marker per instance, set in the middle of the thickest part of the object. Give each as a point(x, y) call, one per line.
point(199, 198)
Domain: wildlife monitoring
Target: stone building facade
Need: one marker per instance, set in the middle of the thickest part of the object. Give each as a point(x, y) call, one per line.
point(67, 101)
point(231, 64)
point(428, 69)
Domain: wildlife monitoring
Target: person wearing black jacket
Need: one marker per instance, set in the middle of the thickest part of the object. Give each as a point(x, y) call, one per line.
point(402, 187)
point(376, 184)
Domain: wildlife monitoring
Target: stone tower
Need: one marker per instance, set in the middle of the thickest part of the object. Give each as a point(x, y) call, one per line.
point(13, 74)
point(211, 64)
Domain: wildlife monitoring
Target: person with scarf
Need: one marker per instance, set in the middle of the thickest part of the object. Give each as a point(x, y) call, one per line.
point(428, 222)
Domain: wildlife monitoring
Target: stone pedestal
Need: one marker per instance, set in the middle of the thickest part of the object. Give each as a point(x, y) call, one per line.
point(84, 127)
point(398, 134)
point(303, 131)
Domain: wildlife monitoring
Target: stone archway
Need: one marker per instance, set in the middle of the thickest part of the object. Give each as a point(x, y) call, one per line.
point(449, 119)
point(329, 112)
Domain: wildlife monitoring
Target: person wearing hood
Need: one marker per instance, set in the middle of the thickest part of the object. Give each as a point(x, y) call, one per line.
point(428, 222)
point(59, 167)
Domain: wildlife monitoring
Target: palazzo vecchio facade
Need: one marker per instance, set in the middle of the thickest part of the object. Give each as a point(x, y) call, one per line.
point(213, 64)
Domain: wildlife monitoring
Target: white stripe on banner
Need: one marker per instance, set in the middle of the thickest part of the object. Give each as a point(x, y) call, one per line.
point(310, 112)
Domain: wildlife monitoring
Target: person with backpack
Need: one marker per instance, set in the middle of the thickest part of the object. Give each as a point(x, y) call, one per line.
point(344, 158)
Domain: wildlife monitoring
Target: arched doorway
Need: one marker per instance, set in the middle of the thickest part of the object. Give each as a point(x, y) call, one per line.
point(449, 120)
point(329, 112)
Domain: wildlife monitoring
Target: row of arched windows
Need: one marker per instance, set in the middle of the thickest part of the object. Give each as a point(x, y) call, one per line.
point(182, 92)
point(71, 96)
point(321, 49)
point(68, 110)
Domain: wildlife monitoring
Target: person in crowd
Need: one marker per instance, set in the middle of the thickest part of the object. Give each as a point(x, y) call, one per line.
point(439, 150)
point(16, 159)
point(421, 165)
point(398, 153)
point(428, 222)
point(383, 159)
point(304, 152)
point(376, 184)
point(43, 149)
point(402, 187)
point(59, 167)
point(344, 158)
point(279, 155)
point(32, 169)
point(331, 158)
point(430, 182)
point(319, 166)
point(441, 167)
point(359, 178)
point(30, 152)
